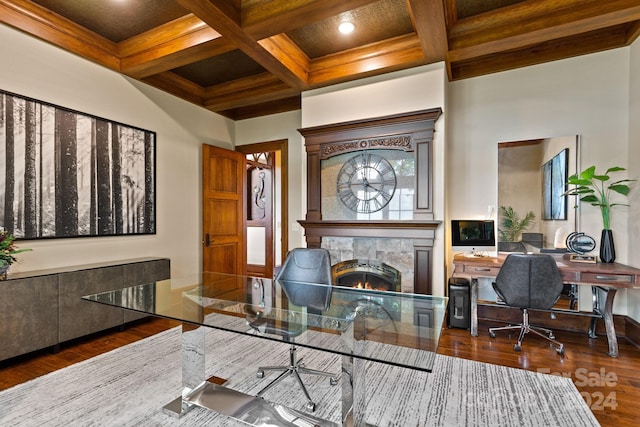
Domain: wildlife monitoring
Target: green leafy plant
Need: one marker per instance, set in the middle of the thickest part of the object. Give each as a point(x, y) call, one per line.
point(597, 190)
point(511, 226)
point(8, 248)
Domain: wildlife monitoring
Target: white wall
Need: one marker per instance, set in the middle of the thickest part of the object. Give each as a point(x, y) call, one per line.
point(633, 300)
point(587, 95)
point(404, 91)
point(32, 68)
point(276, 127)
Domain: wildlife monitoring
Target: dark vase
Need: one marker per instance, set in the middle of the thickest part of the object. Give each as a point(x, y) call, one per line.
point(607, 248)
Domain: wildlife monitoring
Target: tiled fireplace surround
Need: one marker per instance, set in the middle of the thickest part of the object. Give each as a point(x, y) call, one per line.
point(397, 253)
point(404, 245)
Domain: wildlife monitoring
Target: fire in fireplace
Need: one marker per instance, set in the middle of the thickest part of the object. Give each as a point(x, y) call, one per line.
point(367, 274)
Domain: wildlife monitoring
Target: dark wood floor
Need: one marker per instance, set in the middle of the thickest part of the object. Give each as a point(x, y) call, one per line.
point(610, 385)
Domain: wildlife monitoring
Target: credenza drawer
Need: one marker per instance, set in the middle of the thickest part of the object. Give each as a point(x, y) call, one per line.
point(605, 278)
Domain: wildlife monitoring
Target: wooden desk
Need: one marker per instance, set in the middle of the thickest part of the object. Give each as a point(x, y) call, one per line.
point(605, 280)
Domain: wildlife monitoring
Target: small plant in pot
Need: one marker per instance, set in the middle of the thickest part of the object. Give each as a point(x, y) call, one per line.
point(511, 227)
point(8, 251)
point(596, 190)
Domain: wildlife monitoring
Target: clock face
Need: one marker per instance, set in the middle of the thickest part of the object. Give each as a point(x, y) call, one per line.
point(366, 183)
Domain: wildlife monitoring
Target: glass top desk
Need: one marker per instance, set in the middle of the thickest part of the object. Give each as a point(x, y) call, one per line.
point(359, 325)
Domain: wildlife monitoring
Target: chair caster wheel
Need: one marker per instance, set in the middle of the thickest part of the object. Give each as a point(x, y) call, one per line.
point(260, 374)
point(517, 347)
point(333, 381)
point(552, 336)
point(492, 334)
point(311, 407)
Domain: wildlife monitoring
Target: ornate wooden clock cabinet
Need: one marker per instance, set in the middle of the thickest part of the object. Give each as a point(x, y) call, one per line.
point(373, 179)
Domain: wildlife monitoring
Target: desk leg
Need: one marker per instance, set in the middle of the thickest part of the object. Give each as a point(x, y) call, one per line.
point(595, 308)
point(606, 314)
point(353, 392)
point(474, 307)
point(354, 395)
point(193, 367)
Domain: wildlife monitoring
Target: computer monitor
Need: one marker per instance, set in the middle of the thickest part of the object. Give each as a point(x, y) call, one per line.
point(468, 232)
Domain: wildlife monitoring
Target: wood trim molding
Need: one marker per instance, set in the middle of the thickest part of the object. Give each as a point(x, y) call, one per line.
point(394, 229)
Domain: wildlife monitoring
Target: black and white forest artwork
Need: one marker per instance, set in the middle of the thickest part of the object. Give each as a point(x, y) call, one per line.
point(67, 174)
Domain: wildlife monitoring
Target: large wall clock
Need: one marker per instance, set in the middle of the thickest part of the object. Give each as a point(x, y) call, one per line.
point(366, 183)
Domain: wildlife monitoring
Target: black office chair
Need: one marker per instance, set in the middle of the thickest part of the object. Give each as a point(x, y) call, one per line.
point(302, 266)
point(529, 281)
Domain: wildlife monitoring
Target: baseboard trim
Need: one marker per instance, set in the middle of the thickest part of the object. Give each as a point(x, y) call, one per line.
point(632, 331)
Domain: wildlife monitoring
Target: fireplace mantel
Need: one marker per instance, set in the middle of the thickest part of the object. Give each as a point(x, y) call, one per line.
point(414, 229)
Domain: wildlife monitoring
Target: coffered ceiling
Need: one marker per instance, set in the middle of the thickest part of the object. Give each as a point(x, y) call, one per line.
point(247, 58)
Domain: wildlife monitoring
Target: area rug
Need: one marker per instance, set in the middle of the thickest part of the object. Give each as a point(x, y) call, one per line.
point(129, 386)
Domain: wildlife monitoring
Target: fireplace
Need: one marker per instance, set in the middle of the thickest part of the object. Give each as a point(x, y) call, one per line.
point(404, 239)
point(366, 274)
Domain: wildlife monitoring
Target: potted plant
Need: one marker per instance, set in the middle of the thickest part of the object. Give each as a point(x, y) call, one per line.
point(511, 227)
point(597, 190)
point(8, 251)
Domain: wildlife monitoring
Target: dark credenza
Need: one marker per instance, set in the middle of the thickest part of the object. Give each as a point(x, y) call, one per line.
point(40, 309)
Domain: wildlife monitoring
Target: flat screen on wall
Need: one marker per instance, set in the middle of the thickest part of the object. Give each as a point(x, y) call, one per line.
point(472, 233)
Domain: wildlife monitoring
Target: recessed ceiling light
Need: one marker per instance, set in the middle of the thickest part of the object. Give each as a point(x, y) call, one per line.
point(346, 27)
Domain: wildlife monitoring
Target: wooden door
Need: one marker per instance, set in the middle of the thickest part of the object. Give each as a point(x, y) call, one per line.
point(223, 212)
point(276, 227)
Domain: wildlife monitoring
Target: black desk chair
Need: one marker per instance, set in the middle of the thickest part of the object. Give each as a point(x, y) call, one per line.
point(529, 281)
point(301, 267)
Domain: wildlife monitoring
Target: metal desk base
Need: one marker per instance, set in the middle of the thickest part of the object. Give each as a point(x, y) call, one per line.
point(249, 409)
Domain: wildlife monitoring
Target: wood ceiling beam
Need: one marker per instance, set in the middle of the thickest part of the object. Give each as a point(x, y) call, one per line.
point(37, 21)
point(160, 49)
point(288, 53)
point(220, 15)
point(265, 19)
point(180, 42)
point(502, 31)
point(390, 55)
point(267, 108)
point(178, 86)
point(429, 22)
point(172, 55)
point(373, 59)
point(185, 27)
point(633, 32)
point(594, 41)
point(174, 44)
point(451, 12)
point(247, 91)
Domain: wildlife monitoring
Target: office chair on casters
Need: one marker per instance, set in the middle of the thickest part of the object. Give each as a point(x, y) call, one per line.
point(302, 266)
point(529, 281)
